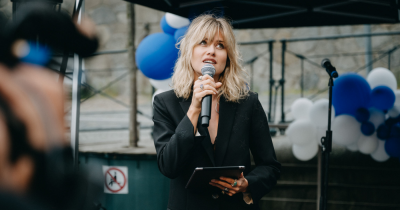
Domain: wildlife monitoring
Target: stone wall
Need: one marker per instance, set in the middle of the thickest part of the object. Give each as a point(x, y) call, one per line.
point(112, 20)
point(147, 22)
point(314, 77)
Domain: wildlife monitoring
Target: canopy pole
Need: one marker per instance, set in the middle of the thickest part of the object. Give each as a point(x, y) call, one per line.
point(133, 125)
point(76, 96)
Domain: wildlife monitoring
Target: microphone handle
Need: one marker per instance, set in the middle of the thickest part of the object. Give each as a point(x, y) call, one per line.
point(206, 110)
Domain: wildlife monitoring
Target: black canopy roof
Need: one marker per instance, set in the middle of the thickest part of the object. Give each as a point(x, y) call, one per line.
point(285, 13)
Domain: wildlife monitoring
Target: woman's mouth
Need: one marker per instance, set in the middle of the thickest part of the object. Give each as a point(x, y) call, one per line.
point(210, 61)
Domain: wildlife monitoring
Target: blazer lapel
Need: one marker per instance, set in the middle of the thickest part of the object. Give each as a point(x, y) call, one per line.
point(227, 112)
point(185, 104)
point(206, 142)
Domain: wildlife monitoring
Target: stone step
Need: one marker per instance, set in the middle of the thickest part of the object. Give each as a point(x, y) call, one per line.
point(337, 192)
point(342, 174)
point(302, 204)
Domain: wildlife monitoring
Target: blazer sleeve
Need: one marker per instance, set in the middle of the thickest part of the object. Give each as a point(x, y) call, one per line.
point(175, 145)
point(264, 176)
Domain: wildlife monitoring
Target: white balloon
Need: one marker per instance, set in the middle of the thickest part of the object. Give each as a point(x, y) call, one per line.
point(380, 154)
point(305, 152)
point(319, 113)
point(346, 130)
point(176, 21)
point(320, 132)
point(156, 93)
point(301, 132)
point(397, 101)
point(377, 117)
point(352, 147)
point(300, 108)
point(394, 112)
point(367, 144)
point(161, 84)
point(382, 76)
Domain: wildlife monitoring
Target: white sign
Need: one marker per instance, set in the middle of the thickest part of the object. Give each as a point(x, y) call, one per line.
point(115, 179)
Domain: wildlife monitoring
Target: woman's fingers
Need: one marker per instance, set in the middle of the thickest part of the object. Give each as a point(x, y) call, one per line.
point(230, 191)
point(201, 94)
point(205, 77)
point(224, 184)
point(207, 87)
point(226, 179)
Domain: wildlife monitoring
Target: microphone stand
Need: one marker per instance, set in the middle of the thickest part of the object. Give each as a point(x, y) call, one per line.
point(326, 149)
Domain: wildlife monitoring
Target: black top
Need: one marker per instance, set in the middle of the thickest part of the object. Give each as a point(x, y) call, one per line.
point(242, 127)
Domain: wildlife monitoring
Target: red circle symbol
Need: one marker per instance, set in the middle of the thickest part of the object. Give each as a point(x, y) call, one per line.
point(114, 180)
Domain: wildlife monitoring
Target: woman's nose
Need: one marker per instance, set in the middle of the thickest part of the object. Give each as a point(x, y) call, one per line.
point(211, 50)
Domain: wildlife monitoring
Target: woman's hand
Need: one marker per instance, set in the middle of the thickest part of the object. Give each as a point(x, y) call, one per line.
point(209, 88)
point(224, 182)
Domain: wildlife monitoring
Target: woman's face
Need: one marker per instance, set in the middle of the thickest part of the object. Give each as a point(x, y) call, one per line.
point(210, 52)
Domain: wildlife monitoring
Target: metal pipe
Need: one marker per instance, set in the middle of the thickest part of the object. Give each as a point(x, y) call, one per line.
point(109, 52)
point(302, 78)
point(251, 75)
point(76, 96)
point(282, 82)
point(271, 78)
point(339, 36)
point(342, 36)
point(75, 114)
point(257, 42)
point(275, 101)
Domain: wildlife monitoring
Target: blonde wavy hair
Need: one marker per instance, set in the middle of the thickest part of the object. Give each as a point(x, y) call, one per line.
point(233, 78)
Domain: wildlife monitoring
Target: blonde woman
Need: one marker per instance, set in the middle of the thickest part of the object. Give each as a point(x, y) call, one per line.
point(237, 126)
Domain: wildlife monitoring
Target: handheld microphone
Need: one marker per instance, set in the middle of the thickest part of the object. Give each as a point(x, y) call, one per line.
point(205, 116)
point(331, 70)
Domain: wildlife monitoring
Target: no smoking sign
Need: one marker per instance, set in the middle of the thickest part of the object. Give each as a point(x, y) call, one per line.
point(115, 179)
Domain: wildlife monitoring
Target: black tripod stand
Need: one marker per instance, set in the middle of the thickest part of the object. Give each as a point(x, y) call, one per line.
point(327, 140)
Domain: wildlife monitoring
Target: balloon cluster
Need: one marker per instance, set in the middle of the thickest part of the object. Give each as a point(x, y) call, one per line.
point(311, 121)
point(156, 54)
point(373, 106)
point(367, 115)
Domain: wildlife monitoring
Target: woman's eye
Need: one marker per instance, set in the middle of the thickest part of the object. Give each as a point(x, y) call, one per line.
point(221, 46)
point(203, 42)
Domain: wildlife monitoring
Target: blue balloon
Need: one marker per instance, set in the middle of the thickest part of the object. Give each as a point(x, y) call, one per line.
point(350, 92)
point(156, 56)
point(395, 131)
point(391, 121)
point(180, 33)
point(367, 128)
point(382, 97)
point(166, 28)
point(362, 115)
point(383, 131)
point(37, 54)
point(392, 147)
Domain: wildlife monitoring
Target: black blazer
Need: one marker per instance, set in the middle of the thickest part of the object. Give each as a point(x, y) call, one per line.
point(242, 127)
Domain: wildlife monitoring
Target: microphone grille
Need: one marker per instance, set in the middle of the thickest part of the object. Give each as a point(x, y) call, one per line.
point(208, 69)
point(324, 61)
